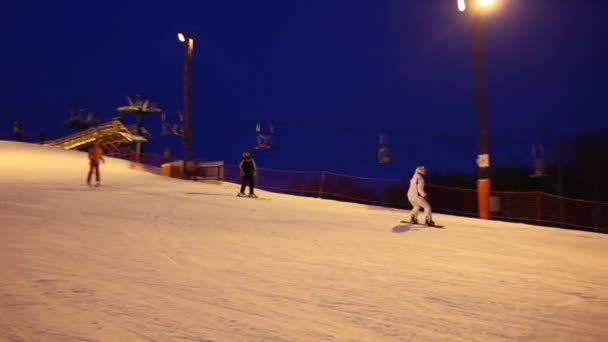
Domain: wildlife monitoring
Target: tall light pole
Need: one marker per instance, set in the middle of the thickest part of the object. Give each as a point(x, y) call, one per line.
point(476, 9)
point(188, 40)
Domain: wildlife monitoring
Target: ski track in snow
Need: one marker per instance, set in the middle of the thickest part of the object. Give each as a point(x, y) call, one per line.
point(146, 258)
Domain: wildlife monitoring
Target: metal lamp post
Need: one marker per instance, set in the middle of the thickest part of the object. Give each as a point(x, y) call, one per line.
point(188, 40)
point(476, 9)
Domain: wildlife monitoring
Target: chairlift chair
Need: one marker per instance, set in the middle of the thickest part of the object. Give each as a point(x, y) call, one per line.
point(384, 153)
point(172, 127)
point(538, 156)
point(264, 140)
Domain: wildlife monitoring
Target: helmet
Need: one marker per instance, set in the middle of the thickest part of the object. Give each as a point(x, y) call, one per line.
point(421, 170)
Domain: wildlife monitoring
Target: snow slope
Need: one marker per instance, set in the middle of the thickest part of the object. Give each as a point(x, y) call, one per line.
point(147, 258)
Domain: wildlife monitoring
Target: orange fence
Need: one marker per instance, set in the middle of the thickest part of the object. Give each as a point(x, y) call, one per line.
point(526, 207)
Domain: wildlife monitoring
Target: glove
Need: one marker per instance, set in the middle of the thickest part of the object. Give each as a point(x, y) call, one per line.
point(242, 173)
point(254, 173)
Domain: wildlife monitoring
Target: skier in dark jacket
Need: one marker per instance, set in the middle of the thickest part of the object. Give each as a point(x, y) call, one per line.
point(247, 168)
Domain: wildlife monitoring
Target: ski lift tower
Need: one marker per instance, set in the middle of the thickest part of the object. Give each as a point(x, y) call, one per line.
point(139, 106)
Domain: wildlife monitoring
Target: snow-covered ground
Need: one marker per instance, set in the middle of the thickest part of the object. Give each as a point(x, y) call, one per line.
point(148, 258)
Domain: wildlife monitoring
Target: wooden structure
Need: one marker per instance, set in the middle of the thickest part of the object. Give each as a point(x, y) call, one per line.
point(112, 135)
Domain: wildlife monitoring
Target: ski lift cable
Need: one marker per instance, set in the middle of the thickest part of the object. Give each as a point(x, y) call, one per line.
point(314, 127)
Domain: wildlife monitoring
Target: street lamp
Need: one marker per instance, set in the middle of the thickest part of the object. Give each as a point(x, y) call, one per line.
point(188, 40)
point(476, 8)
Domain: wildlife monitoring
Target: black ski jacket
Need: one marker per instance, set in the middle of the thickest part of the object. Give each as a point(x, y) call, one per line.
point(247, 165)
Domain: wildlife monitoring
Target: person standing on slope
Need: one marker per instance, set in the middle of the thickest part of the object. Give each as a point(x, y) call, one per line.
point(95, 155)
point(247, 168)
point(418, 197)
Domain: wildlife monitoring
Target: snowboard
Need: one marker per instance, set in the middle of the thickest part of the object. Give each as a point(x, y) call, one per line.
point(421, 224)
point(256, 197)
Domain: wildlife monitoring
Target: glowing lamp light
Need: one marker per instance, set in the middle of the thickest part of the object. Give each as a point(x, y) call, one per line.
point(462, 4)
point(485, 3)
point(181, 37)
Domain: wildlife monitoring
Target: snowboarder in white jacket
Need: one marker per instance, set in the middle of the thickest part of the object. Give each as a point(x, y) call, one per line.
point(418, 197)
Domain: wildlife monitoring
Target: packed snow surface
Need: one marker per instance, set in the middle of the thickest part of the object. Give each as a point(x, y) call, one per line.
point(149, 258)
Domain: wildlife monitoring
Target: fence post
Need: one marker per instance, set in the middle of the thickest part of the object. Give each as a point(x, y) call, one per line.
point(562, 216)
point(596, 213)
point(538, 208)
point(321, 187)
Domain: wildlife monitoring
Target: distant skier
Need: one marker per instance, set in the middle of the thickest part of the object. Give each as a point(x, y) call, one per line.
point(418, 197)
point(247, 168)
point(95, 155)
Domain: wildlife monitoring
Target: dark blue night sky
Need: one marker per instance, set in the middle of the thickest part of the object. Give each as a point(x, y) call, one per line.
point(329, 74)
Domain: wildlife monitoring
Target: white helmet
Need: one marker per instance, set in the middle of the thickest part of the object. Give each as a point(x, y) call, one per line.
point(421, 170)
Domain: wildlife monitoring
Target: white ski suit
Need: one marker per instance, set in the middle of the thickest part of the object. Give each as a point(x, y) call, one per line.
point(416, 196)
